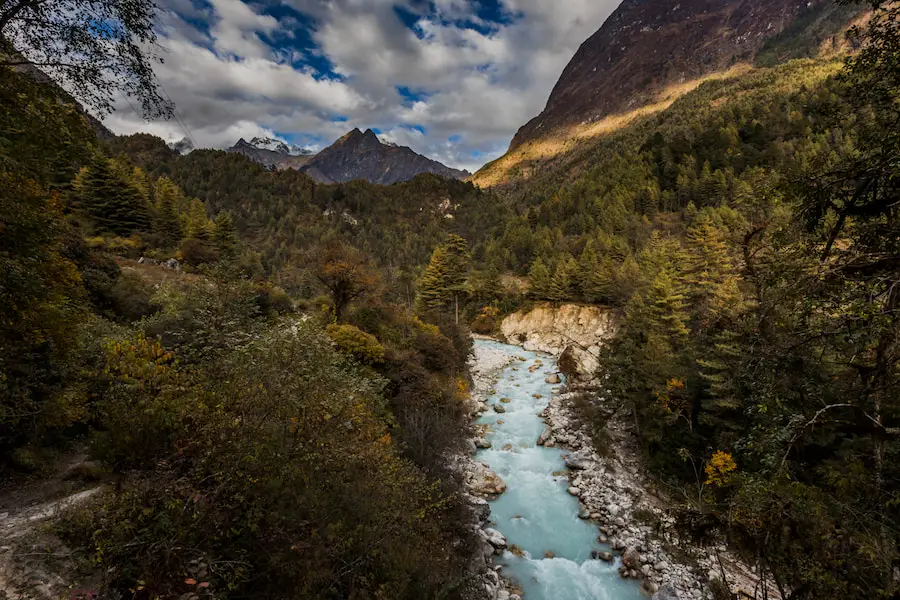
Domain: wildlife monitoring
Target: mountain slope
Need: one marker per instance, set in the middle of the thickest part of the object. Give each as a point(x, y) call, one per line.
point(360, 155)
point(648, 46)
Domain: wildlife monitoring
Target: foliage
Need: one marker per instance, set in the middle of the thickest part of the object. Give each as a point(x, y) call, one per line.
point(94, 47)
point(357, 343)
point(41, 304)
point(276, 463)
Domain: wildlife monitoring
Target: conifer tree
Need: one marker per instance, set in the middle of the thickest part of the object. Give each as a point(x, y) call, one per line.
point(563, 280)
point(539, 280)
point(167, 223)
point(197, 224)
point(226, 237)
point(434, 283)
point(113, 203)
point(445, 281)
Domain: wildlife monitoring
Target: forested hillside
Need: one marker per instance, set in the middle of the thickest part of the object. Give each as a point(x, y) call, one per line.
point(268, 375)
point(253, 439)
point(748, 234)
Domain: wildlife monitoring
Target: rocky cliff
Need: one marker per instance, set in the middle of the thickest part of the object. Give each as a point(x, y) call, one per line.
point(572, 332)
point(647, 46)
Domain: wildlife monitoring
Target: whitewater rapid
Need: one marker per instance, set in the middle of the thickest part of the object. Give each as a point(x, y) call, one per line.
point(536, 513)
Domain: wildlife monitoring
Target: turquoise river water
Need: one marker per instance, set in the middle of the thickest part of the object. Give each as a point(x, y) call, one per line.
point(536, 513)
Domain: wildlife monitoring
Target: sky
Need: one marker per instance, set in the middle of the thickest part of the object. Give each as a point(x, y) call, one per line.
point(452, 79)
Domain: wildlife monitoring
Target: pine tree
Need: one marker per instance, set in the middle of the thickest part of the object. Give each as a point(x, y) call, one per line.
point(226, 236)
point(434, 283)
point(113, 203)
point(708, 262)
point(539, 280)
point(563, 280)
point(445, 281)
point(197, 224)
point(668, 309)
point(459, 263)
point(167, 223)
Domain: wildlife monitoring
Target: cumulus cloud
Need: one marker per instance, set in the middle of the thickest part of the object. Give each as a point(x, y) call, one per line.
point(453, 79)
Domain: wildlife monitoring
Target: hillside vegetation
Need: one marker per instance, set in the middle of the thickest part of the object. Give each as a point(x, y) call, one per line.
point(270, 374)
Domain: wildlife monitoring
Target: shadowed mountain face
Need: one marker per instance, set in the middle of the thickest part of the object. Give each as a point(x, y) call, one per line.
point(360, 155)
point(647, 46)
point(357, 155)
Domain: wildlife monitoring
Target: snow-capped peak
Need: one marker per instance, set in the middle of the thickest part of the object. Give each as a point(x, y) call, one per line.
point(278, 146)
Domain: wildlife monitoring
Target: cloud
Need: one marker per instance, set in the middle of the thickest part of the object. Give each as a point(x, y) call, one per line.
point(453, 79)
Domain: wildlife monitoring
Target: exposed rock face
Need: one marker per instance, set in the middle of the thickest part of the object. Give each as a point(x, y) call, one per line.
point(360, 155)
point(647, 46)
point(572, 332)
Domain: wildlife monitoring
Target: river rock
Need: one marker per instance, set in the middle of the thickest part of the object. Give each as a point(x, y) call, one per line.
point(631, 558)
point(552, 379)
point(666, 592)
point(480, 507)
point(661, 566)
point(578, 461)
point(583, 512)
point(502, 595)
point(602, 555)
point(495, 538)
point(482, 480)
point(482, 443)
point(498, 408)
point(574, 491)
point(545, 436)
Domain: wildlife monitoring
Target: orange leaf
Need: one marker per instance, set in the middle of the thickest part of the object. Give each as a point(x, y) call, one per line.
point(190, 581)
point(204, 584)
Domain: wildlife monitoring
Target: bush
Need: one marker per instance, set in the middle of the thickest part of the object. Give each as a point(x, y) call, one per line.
point(277, 474)
point(197, 252)
point(357, 343)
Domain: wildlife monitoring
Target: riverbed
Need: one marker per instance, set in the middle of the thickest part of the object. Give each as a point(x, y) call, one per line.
point(550, 546)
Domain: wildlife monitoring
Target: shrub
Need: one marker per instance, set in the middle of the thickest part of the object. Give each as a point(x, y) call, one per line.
point(357, 343)
point(279, 475)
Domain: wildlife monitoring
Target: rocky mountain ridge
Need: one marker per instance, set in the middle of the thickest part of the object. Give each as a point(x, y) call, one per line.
point(648, 46)
point(356, 155)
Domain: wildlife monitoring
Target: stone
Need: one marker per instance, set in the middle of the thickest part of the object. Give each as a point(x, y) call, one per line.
point(574, 491)
point(545, 436)
point(583, 512)
point(553, 379)
point(498, 408)
point(645, 570)
point(661, 566)
point(649, 587)
point(666, 592)
point(602, 555)
point(480, 507)
point(482, 480)
point(495, 538)
point(502, 595)
point(578, 461)
point(631, 558)
point(482, 443)
point(602, 539)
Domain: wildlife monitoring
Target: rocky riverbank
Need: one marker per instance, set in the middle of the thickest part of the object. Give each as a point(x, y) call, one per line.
point(634, 521)
point(484, 367)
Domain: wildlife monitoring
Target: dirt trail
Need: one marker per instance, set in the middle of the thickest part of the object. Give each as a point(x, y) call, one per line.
point(34, 563)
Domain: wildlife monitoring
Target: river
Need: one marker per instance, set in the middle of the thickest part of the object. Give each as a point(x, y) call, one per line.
point(536, 513)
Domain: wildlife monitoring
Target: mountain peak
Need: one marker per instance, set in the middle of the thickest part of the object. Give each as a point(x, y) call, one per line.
point(649, 46)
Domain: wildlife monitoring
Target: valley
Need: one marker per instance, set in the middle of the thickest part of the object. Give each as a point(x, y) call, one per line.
point(652, 350)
